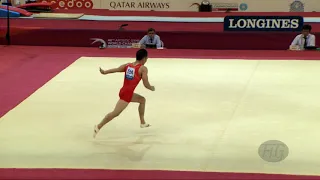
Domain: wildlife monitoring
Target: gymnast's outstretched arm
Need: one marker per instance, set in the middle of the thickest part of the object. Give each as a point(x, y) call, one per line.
point(113, 70)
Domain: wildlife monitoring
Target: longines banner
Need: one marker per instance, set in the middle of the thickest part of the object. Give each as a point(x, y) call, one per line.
point(191, 5)
point(263, 23)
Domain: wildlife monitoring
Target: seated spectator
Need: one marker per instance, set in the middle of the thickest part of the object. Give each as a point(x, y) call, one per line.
point(304, 40)
point(151, 40)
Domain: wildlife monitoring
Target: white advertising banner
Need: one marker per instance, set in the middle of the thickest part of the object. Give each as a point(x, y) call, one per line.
point(192, 5)
point(165, 5)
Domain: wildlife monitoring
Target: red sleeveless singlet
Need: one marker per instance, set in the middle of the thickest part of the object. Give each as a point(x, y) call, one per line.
point(131, 81)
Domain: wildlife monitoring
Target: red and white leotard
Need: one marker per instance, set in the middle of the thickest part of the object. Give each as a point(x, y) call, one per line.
point(131, 81)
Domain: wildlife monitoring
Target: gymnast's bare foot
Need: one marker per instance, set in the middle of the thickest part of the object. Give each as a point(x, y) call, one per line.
point(144, 125)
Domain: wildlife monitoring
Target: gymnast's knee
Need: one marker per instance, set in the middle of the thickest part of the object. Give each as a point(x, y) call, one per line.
point(143, 100)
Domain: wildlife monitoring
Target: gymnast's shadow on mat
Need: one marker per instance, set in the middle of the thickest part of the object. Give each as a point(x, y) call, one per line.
point(134, 151)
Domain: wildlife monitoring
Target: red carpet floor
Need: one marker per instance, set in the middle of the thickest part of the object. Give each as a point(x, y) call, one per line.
point(23, 72)
point(25, 69)
point(82, 174)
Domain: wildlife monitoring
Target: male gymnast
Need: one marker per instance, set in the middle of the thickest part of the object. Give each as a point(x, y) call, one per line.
point(133, 73)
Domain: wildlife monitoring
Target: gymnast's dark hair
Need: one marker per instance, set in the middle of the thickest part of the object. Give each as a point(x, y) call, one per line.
point(141, 54)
